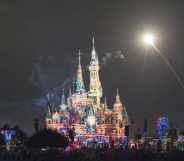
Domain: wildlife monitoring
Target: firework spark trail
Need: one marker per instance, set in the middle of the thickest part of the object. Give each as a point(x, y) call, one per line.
point(179, 80)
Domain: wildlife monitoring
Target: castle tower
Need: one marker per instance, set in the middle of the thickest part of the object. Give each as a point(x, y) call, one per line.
point(117, 108)
point(125, 116)
point(105, 104)
point(48, 117)
point(95, 88)
point(117, 115)
point(80, 88)
point(63, 106)
point(120, 109)
point(106, 109)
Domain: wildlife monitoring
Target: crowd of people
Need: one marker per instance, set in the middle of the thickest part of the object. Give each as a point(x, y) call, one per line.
point(48, 145)
point(91, 155)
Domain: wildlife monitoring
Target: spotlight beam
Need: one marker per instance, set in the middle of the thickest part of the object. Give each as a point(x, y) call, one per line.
point(150, 40)
point(179, 80)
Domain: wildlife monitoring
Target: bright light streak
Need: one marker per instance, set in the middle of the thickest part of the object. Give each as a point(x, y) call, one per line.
point(175, 74)
point(149, 39)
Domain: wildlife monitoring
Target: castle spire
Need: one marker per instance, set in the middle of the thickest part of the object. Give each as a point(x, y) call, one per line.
point(95, 88)
point(105, 102)
point(124, 113)
point(63, 106)
point(93, 43)
point(70, 91)
point(79, 65)
point(63, 97)
point(117, 97)
point(48, 114)
point(94, 57)
point(117, 105)
point(80, 88)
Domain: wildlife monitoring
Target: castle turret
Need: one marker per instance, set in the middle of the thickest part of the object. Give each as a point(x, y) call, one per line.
point(63, 106)
point(48, 113)
point(80, 88)
point(106, 109)
point(117, 108)
point(120, 109)
point(125, 116)
point(95, 88)
point(48, 117)
point(117, 116)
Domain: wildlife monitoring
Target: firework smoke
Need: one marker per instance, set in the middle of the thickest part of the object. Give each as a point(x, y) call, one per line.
point(112, 55)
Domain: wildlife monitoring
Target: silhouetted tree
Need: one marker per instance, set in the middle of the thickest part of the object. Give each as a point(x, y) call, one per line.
point(47, 138)
point(2, 141)
point(6, 127)
point(20, 137)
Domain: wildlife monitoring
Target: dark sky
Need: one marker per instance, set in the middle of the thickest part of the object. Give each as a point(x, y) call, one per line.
point(50, 33)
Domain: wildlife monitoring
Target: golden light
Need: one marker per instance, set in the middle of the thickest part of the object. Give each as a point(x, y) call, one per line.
point(148, 39)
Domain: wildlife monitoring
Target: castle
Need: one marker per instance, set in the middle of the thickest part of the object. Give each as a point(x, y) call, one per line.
point(85, 113)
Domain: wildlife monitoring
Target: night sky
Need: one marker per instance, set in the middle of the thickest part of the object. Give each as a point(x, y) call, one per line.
point(47, 35)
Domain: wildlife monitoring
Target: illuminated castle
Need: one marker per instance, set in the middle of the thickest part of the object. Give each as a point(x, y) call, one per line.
point(83, 111)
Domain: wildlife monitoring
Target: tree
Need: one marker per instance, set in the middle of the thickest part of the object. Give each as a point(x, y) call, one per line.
point(47, 138)
point(2, 141)
point(19, 136)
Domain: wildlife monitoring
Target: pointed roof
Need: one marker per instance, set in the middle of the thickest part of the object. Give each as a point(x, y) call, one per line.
point(79, 63)
point(117, 101)
point(106, 109)
point(80, 88)
point(70, 91)
point(94, 56)
point(117, 105)
point(93, 42)
point(105, 102)
point(124, 111)
point(63, 97)
point(48, 113)
point(63, 106)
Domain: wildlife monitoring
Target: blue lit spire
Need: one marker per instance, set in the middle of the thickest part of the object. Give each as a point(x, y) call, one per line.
point(80, 88)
